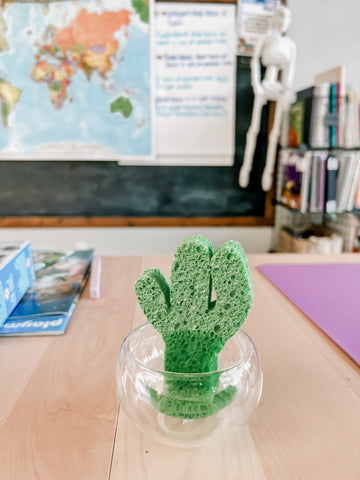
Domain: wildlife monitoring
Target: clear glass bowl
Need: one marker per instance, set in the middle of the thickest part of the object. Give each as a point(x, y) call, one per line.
point(227, 396)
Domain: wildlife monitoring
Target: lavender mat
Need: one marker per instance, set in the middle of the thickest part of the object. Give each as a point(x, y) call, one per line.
point(329, 294)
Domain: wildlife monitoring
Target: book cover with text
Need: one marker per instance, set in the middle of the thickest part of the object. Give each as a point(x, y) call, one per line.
point(49, 303)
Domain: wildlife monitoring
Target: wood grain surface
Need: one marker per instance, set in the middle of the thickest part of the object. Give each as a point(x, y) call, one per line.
point(60, 419)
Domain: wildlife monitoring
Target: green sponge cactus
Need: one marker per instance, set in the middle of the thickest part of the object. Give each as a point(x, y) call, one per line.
point(195, 328)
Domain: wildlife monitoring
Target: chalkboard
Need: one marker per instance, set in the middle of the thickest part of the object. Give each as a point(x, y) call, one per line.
point(109, 193)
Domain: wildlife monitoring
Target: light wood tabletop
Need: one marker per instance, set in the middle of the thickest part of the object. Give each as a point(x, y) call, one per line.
point(60, 418)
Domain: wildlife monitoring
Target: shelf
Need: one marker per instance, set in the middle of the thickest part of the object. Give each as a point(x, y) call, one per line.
point(322, 149)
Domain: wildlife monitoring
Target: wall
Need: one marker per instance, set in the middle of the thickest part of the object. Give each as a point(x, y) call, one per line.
point(137, 241)
point(327, 34)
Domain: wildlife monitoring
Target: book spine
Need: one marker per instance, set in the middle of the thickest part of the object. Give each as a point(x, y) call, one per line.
point(347, 168)
point(333, 111)
point(322, 186)
point(319, 132)
point(354, 183)
point(314, 187)
point(315, 117)
point(332, 165)
point(307, 95)
point(305, 182)
point(296, 123)
point(338, 104)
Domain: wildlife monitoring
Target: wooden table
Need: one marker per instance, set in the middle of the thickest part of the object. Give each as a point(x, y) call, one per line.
point(59, 416)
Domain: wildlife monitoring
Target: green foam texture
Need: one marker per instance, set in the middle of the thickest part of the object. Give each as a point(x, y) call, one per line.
point(194, 327)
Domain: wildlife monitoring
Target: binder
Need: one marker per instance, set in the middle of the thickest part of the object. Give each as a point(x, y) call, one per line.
point(328, 294)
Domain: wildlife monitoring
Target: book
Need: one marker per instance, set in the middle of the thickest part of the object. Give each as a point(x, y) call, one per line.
point(333, 112)
point(339, 106)
point(346, 165)
point(314, 184)
point(319, 132)
point(322, 193)
point(351, 138)
point(332, 167)
point(296, 123)
point(304, 166)
point(317, 187)
point(16, 275)
point(356, 198)
point(291, 182)
point(48, 305)
point(306, 96)
point(354, 186)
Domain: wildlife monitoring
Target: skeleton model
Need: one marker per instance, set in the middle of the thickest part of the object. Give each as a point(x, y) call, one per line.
point(277, 53)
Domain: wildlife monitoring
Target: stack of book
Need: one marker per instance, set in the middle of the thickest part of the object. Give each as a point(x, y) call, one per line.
point(48, 304)
point(319, 181)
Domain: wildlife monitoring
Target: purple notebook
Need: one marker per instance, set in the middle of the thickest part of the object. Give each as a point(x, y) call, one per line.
point(329, 294)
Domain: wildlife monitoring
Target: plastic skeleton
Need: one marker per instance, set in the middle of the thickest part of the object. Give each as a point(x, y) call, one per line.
point(277, 53)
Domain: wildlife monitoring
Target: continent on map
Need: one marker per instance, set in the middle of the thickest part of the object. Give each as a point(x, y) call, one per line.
point(3, 29)
point(121, 105)
point(142, 8)
point(87, 44)
point(57, 78)
point(9, 97)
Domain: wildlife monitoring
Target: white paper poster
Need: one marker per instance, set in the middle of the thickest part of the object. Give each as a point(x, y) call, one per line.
point(195, 83)
point(253, 22)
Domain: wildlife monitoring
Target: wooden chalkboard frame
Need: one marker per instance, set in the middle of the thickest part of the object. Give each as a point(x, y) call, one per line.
point(37, 221)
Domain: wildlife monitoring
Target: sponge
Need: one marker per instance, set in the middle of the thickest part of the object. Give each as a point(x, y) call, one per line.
point(194, 327)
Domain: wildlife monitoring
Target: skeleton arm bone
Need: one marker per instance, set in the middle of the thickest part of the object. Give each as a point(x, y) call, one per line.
point(288, 75)
point(259, 101)
point(256, 69)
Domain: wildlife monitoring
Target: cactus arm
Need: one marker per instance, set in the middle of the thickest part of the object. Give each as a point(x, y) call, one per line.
point(153, 294)
point(233, 287)
point(191, 280)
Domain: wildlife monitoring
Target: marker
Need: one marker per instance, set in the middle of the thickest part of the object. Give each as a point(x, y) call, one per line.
point(95, 277)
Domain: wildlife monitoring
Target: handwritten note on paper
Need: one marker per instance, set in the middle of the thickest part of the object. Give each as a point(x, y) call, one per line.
point(195, 81)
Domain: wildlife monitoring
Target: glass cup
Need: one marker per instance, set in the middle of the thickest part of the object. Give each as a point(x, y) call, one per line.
point(187, 409)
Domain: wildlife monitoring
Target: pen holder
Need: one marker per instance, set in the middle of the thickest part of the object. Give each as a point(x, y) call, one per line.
point(146, 391)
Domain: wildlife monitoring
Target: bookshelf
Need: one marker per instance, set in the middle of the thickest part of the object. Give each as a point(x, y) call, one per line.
point(317, 196)
point(318, 169)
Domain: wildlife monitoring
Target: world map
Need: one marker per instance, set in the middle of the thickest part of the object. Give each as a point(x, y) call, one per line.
point(75, 79)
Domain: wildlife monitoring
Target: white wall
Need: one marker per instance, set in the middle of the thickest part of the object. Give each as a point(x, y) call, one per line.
point(327, 34)
point(136, 241)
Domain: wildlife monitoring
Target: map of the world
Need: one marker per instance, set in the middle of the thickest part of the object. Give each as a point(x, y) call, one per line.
point(75, 79)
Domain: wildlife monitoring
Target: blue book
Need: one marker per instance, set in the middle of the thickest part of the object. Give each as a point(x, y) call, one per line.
point(48, 305)
point(333, 111)
point(16, 275)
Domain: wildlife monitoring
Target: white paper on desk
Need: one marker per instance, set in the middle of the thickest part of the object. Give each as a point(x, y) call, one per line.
point(195, 87)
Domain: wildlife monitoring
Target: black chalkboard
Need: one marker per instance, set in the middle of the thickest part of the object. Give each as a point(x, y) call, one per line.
point(105, 189)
